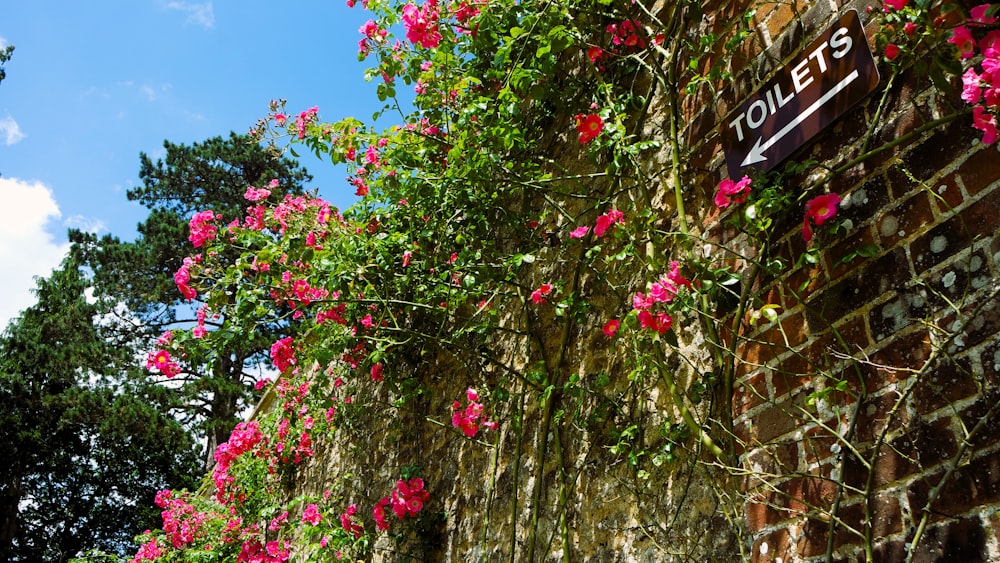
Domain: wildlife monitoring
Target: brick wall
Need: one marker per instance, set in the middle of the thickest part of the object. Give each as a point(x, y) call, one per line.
point(871, 401)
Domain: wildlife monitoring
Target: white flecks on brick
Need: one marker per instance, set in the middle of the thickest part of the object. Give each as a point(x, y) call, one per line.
point(939, 243)
point(895, 311)
point(857, 197)
point(763, 548)
point(942, 188)
point(975, 263)
point(996, 360)
point(888, 226)
point(948, 279)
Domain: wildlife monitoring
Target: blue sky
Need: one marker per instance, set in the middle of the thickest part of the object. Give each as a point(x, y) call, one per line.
point(93, 84)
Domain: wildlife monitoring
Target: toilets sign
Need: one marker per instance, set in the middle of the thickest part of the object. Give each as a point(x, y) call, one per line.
point(831, 74)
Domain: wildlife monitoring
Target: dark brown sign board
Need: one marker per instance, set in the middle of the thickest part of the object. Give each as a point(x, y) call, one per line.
point(829, 76)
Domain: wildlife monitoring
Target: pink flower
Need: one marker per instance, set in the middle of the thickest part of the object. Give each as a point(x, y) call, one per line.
point(422, 24)
point(406, 258)
point(604, 222)
point(818, 210)
point(891, 52)
point(971, 91)
point(538, 296)
point(595, 54)
point(732, 192)
point(202, 231)
point(641, 301)
point(378, 512)
point(675, 276)
point(181, 278)
point(376, 372)
point(408, 498)
point(986, 123)
point(990, 46)
point(282, 354)
point(909, 28)
point(896, 4)
point(978, 15)
point(589, 127)
point(579, 232)
point(255, 194)
point(611, 327)
point(162, 362)
point(659, 322)
point(347, 522)
point(311, 515)
point(961, 38)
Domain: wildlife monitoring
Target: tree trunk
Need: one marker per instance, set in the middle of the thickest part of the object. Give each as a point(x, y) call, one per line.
point(9, 502)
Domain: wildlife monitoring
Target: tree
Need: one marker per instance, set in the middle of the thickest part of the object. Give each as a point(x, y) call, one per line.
point(133, 280)
point(84, 452)
point(5, 55)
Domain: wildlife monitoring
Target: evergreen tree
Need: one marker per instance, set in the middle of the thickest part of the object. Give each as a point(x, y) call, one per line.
point(83, 453)
point(134, 280)
point(5, 55)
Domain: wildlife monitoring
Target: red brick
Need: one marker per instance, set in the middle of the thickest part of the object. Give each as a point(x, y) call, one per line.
point(749, 393)
point(799, 494)
point(989, 433)
point(961, 540)
point(885, 520)
point(947, 194)
point(873, 418)
point(819, 444)
point(760, 513)
point(866, 201)
point(937, 151)
point(792, 375)
point(981, 170)
point(974, 484)
point(904, 219)
point(957, 233)
point(837, 260)
point(802, 283)
point(947, 382)
point(779, 544)
point(888, 364)
point(775, 422)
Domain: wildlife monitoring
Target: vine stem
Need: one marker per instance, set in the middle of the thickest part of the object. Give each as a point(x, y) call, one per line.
point(517, 465)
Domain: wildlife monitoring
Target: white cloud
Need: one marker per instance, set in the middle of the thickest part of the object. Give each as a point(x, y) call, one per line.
point(26, 248)
point(200, 14)
point(85, 224)
point(148, 91)
point(10, 131)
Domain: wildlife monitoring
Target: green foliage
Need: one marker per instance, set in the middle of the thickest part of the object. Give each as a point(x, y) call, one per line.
point(134, 279)
point(5, 55)
point(84, 451)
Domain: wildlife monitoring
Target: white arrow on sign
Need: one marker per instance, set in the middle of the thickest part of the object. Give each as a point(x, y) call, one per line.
point(757, 152)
